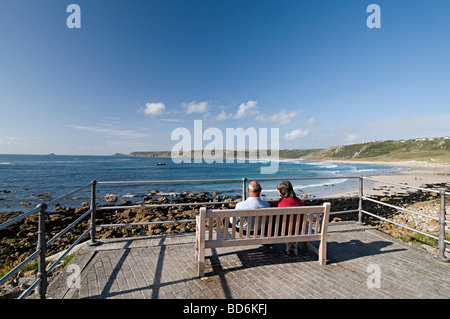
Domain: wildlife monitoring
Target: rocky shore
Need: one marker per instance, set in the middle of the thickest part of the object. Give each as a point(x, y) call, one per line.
point(19, 240)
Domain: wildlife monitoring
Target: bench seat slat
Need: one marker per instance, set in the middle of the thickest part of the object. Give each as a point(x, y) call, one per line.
point(261, 211)
point(259, 241)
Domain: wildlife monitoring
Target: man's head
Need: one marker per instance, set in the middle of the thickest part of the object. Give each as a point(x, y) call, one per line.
point(254, 189)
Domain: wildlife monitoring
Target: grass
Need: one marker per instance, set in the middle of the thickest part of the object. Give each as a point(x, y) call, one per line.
point(32, 265)
point(435, 150)
point(420, 239)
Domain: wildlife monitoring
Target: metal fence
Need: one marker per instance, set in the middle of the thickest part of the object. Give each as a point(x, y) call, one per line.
point(41, 210)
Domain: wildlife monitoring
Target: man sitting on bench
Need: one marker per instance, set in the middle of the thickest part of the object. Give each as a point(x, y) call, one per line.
point(252, 202)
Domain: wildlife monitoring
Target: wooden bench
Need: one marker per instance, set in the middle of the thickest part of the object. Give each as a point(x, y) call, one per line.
point(213, 228)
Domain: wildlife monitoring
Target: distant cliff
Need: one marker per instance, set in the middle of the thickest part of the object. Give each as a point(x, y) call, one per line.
point(423, 149)
point(151, 154)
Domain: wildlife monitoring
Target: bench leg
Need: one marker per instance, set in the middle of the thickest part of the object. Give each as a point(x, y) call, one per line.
point(201, 262)
point(196, 249)
point(323, 252)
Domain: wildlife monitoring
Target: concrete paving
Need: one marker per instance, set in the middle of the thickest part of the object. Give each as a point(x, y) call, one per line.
point(362, 263)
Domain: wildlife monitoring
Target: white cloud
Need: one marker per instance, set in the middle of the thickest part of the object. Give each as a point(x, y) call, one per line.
point(295, 134)
point(8, 140)
point(154, 109)
point(311, 122)
point(196, 107)
point(282, 117)
point(352, 137)
point(224, 116)
point(111, 131)
point(244, 110)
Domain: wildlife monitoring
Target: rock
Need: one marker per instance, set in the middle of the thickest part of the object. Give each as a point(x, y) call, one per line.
point(154, 191)
point(43, 195)
point(25, 203)
point(433, 225)
point(111, 198)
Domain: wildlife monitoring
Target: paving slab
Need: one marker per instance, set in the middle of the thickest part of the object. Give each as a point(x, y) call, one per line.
point(362, 263)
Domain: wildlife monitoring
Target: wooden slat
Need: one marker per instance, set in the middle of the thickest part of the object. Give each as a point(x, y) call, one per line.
point(263, 226)
point(249, 227)
point(310, 224)
point(277, 226)
point(297, 225)
point(255, 228)
point(226, 226)
point(304, 224)
point(210, 228)
point(269, 227)
point(260, 241)
point(233, 228)
point(283, 219)
point(241, 228)
point(316, 229)
point(291, 225)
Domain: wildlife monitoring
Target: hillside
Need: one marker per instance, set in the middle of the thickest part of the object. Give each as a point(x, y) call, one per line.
point(435, 150)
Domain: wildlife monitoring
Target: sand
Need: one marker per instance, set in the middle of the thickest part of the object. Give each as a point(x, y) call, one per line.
point(419, 174)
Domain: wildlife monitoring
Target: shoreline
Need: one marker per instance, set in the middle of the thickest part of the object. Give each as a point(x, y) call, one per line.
point(419, 175)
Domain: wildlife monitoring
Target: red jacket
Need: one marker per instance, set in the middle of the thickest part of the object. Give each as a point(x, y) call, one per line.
point(290, 202)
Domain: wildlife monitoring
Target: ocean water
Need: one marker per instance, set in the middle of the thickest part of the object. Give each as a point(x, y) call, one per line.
point(23, 177)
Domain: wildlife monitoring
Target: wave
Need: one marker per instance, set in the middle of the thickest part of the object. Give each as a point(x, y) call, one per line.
point(355, 170)
point(6, 163)
point(300, 187)
point(321, 164)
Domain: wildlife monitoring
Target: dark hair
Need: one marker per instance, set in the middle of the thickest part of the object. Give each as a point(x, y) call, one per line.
point(286, 189)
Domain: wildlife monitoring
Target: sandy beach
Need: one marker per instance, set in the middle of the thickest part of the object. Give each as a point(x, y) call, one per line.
point(419, 174)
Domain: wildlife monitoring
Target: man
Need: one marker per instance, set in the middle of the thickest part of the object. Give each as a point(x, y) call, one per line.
point(252, 202)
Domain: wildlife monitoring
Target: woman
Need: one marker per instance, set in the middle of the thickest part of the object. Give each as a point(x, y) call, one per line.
point(289, 199)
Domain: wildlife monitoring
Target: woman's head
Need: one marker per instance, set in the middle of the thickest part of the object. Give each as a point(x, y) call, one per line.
point(285, 189)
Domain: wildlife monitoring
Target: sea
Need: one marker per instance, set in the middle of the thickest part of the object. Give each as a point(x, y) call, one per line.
point(28, 180)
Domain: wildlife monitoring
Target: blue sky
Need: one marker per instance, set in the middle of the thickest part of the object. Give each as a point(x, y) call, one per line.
point(137, 70)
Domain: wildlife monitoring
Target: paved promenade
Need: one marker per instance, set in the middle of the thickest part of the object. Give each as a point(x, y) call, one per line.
point(363, 263)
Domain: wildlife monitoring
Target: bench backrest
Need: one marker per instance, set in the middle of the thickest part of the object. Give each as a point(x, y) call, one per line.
point(265, 225)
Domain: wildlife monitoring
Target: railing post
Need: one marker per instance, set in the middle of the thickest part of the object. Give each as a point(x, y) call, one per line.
point(42, 246)
point(360, 194)
point(244, 188)
point(93, 241)
point(441, 243)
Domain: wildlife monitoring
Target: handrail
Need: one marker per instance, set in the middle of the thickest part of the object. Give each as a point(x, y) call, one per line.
point(65, 230)
point(441, 219)
point(18, 218)
point(401, 208)
point(41, 281)
point(221, 180)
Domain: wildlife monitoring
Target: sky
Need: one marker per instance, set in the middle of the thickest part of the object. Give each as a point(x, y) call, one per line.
point(134, 71)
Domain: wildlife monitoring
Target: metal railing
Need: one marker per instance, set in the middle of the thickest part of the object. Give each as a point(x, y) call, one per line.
point(41, 282)
point(442, 241)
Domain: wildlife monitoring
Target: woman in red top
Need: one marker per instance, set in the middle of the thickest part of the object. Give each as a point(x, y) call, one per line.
point(289, 199)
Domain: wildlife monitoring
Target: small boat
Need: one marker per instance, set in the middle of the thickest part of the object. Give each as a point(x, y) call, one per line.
point(161, 163)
